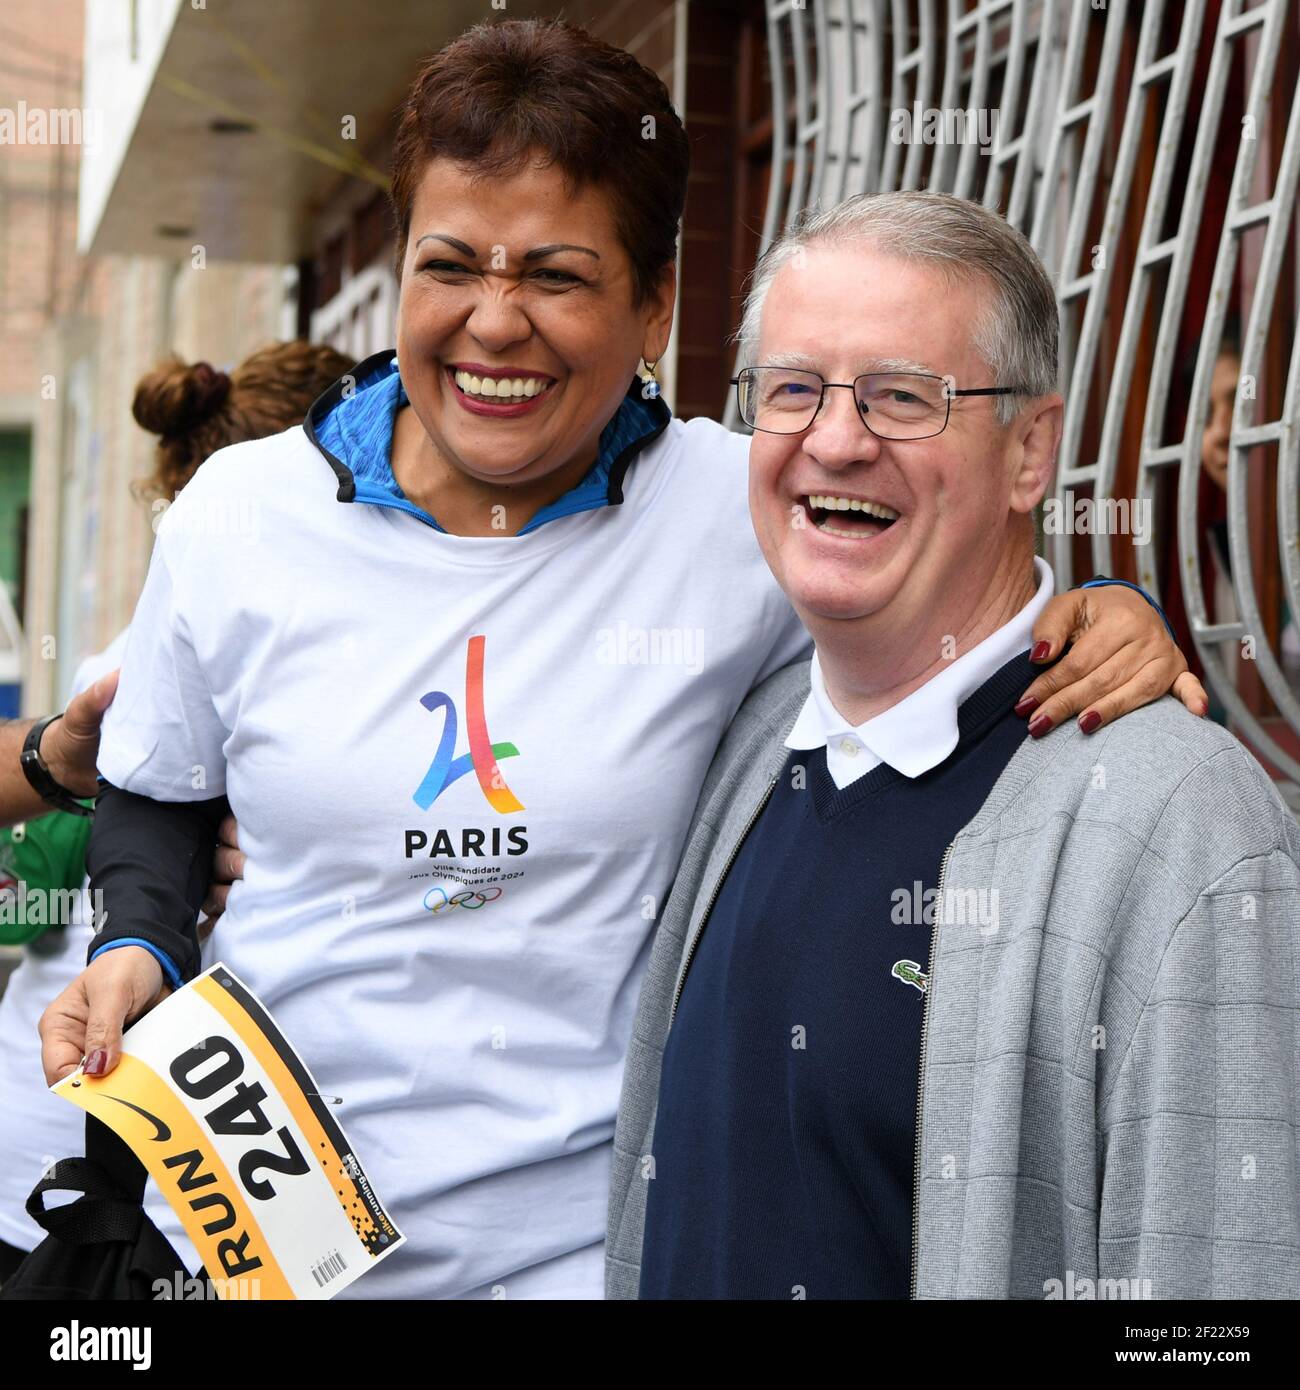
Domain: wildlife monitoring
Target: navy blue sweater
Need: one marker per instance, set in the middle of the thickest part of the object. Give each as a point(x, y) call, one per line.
point(784, 1146)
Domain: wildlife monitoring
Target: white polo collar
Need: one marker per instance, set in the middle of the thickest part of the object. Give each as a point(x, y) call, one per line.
point(920, 731)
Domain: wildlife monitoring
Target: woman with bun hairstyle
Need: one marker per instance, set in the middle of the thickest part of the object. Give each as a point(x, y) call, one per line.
point(463, 694)
point(194, 410)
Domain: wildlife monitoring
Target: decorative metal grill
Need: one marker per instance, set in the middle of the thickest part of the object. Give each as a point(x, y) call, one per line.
point(1106, 125)
point(360, 318)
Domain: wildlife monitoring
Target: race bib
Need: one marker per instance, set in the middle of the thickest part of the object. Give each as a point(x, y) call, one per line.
point(226, 1118)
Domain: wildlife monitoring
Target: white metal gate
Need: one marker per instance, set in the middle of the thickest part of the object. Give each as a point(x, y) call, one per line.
point(1073, 95)
point(360, 318)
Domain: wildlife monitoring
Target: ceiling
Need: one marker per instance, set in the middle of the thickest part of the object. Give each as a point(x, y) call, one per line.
point(293, 70)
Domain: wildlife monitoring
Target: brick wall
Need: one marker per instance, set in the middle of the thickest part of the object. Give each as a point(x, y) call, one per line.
point(40, 69)
point(78, 334)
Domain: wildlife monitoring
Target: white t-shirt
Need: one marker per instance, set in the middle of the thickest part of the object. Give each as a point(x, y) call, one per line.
point(456, 953)
point(37, 1128)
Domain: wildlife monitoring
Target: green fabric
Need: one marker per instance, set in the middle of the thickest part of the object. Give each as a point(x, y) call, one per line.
point(37, 858)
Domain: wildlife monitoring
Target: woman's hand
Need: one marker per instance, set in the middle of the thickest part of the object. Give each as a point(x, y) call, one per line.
point(1122, 657)
point(87, 1019)
point(227, 867)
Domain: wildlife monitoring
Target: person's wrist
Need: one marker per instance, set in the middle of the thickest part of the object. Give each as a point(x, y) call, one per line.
point(48, 764)
point(63, 760)
point(51, 750)
point(137, 950)
point(1102, 581)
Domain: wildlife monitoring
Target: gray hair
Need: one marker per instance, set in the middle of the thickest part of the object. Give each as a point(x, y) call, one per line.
point(1016, 337)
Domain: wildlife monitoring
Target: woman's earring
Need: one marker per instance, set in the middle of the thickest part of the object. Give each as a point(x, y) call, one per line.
point(650, 388)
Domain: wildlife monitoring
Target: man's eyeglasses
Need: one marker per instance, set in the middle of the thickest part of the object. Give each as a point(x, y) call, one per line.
point(893, 405)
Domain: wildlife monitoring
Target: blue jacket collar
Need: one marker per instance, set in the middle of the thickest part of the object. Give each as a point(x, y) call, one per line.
point(352, 426)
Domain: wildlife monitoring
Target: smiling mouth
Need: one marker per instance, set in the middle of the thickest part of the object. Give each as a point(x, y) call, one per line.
point(854, 518)
point(499, 390)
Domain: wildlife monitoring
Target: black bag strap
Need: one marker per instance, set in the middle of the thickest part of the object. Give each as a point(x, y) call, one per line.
point(114, 1156)
point(111, 1182)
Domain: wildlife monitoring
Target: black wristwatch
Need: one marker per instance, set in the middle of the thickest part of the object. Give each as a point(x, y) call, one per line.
point(40, 776)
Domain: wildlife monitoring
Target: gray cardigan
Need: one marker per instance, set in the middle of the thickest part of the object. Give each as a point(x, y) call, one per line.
point(1109, 1102)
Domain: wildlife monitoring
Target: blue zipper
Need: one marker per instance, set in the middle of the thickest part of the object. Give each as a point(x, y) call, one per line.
point(401, 505)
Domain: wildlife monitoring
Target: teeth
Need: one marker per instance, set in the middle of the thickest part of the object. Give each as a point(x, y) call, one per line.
point(519, 388)
point(852, 504)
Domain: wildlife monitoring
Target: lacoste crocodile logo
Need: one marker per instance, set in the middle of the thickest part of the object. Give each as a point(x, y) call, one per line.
point(910, 973)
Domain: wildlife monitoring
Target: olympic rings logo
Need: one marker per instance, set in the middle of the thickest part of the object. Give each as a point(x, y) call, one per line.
point(471, 898)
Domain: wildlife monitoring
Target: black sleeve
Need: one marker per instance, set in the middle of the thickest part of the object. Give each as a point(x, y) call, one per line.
point(152, 863)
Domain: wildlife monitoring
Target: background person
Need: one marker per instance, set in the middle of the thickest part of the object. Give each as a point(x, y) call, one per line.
point(68, 746)
point(1214, 461)
point(195, 410)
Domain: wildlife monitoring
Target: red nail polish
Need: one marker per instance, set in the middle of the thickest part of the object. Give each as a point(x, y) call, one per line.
point(1040, 651)
point(95, 1062)
point(1028, 704)
point(1090, 721)
point(1039, 725)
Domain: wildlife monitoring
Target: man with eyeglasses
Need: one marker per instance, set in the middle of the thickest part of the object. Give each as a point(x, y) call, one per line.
point(935, 1009)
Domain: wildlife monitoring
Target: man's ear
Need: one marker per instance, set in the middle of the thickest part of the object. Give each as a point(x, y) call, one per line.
point(1038, 436)
point(659, 322)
